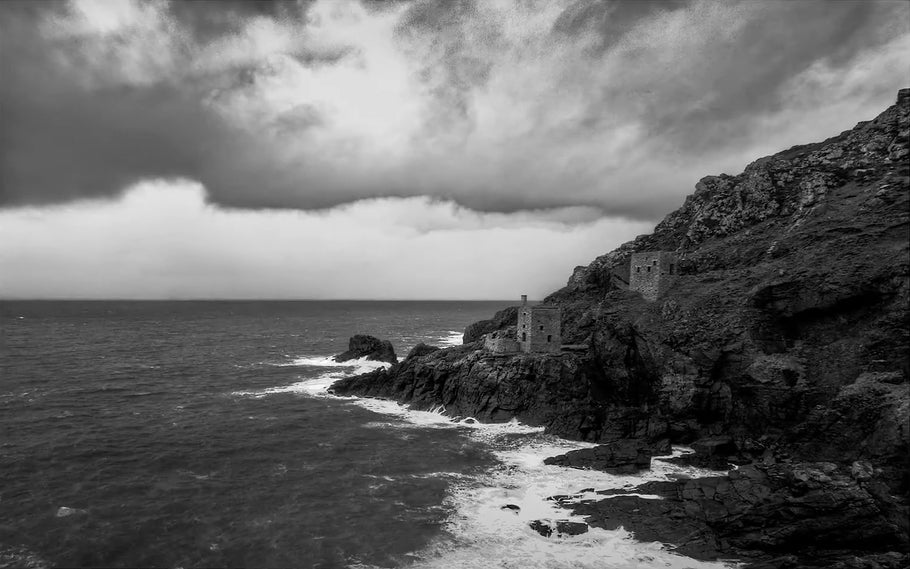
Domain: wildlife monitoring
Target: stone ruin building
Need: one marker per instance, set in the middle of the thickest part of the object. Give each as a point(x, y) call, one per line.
point(539, 327)
point(501, 341)
point(652, 272)
point(538, 330)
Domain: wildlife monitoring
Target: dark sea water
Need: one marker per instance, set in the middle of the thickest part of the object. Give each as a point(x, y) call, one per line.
point(198, 434)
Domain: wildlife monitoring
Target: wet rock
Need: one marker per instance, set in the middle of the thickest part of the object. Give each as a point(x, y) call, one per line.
point(548, 527)
point(543, 527)
point(369, 347)
point(784, 334)
point(65, 512)
point(621, 457)
point(815, 510)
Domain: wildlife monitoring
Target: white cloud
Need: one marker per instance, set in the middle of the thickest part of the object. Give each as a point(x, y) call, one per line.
point(162, 240)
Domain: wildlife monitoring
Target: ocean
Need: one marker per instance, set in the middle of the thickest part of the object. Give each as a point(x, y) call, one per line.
point(200, 434)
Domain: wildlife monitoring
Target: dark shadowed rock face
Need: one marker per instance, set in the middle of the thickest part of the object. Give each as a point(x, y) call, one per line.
point(548, 528)
point(626, 456)
point(822, 513)
point(360, 346)
point(421, 349)
point(784, 340)
point(502, 319)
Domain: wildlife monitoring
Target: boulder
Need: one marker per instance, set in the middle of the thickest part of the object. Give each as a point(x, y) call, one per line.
point(547, 527)
point(363, 346)
point(65, 512)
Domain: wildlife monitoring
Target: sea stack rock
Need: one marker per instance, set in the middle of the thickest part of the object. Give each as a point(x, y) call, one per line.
point(361, 345)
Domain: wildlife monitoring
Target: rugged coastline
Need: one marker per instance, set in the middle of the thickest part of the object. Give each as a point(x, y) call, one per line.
point(782, 348)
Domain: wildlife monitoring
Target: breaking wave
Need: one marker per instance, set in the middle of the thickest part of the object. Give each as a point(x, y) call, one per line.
point(489, 524)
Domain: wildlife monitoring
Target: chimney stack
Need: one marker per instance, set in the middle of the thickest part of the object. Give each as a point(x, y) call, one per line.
point(524, 299)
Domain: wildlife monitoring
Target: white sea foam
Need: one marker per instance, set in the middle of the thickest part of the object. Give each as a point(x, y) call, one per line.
point(453, 339)
point(317, 385)
point(480, 533)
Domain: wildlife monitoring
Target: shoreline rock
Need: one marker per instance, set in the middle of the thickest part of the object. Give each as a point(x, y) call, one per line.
point(626, 456)
point(782, 347)
point(778, 516)
point(372, 348)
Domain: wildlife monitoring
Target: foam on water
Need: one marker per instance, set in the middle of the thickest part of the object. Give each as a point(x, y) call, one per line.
point(480, 532)
point(317, 385)
point(483, 533)
point(453, 339)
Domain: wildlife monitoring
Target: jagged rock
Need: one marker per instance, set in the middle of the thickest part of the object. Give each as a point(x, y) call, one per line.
point(547, 528)
point(472, 383)
point(502, 319)
point(785, 332)
point(625, 456)
point(421, 349)
point(363, 346)
point(812, 509)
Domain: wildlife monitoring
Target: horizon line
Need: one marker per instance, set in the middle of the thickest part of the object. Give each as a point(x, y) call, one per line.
point(64, 299)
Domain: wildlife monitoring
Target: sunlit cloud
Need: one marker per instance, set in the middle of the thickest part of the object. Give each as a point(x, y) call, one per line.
point(161, 239)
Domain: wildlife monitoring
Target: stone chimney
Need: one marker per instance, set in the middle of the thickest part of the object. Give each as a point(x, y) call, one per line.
point(524, 300)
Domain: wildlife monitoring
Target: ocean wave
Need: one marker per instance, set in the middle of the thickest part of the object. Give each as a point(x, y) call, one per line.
point(319, 385)
point(491, 513)
point(454, 338)
point(490, 524)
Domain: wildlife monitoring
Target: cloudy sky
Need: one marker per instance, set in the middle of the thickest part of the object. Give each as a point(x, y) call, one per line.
point(399, 149)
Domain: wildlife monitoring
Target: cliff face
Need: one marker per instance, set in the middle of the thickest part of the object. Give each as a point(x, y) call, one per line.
point(786, 330)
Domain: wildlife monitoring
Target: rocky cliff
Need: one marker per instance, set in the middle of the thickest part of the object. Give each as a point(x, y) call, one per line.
point(785, 334)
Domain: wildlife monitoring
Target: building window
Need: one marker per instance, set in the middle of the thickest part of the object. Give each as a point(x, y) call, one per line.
point(549, 338)
point(671, 268)
point(654, 263)
point(649, 269)
point(541, 327)
point(637, 269)
point(524, 336)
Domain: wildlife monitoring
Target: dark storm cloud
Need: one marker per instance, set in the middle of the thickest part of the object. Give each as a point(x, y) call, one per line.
point(620, 105)
point(210, 19)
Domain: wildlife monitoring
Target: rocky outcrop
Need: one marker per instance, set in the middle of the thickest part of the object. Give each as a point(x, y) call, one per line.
point(786, 515)
point(363, 346)
point(785, 337)
point(548, 528)
point(626, 456)
point(421, 349)
point(470, 382)
point(501, 320)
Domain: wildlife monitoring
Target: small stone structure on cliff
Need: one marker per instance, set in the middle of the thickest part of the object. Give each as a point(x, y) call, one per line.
point(538, 330)
point(539, 327)
point(652, 272)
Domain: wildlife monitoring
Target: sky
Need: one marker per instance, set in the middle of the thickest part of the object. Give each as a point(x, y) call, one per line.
point(449, 149)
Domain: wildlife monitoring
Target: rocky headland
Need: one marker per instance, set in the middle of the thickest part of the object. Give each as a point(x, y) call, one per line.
point(369, 347)
point(782, 347)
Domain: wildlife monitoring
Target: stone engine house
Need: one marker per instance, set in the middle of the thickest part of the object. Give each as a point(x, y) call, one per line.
point(652, 272)
point(539, 328)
